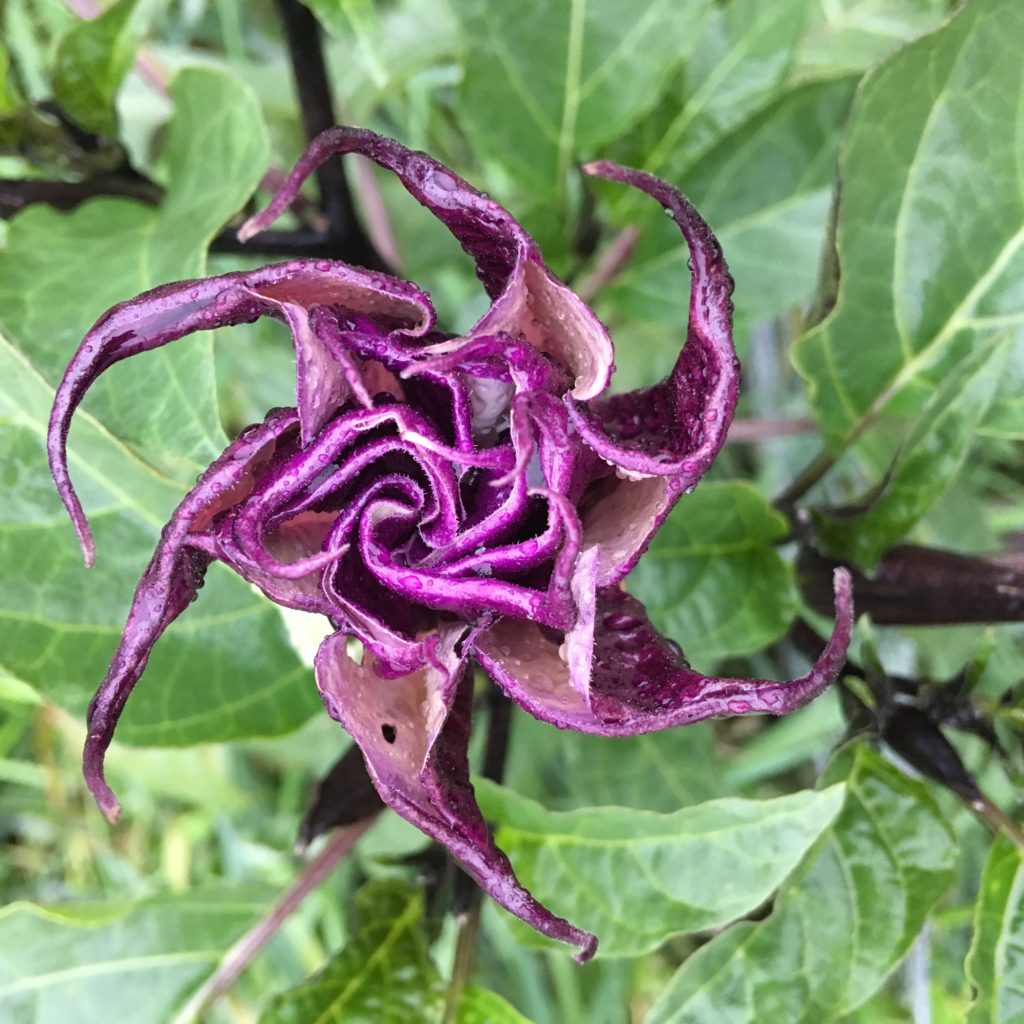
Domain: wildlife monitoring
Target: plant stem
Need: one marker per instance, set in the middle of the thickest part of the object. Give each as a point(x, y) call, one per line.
point(812, 473)
point(763, 428)
point(241, 954)
point(467, 897)
point(309, 70)
point(612, 262)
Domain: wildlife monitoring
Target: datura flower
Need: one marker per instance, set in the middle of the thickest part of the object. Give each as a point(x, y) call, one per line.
point(445, 501)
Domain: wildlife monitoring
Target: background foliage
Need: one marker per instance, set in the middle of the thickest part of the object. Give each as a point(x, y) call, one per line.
point(862, 162)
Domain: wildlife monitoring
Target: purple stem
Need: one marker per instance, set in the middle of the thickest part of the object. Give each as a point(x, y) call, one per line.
point(241, 954)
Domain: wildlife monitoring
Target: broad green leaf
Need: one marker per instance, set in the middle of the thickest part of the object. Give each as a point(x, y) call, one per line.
point(786, 742)
point(850, 35)
point(122, 962)
point(59, 272)
point(712, 579)
point(545, 84)
point(995, 964)
point(928, 460)
point(92, 59)
point(225, 669)
point(384, 975)
point(930, 245)
point(840, 924)
point(636, 877)
point(660, 771)
point(744, 53)
point(765, 189)
point(387, 47)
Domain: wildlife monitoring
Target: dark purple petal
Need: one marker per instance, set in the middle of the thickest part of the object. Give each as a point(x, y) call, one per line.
point(615, 675)
point(527, 299)
point(173, 311)
point(414, 734)
point(170, 583)
point(676, 427)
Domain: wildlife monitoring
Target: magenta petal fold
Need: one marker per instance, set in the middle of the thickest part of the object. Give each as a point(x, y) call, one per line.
point(445, 502)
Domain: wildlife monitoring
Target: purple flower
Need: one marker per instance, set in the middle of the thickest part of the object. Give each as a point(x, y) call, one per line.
point(445, 500)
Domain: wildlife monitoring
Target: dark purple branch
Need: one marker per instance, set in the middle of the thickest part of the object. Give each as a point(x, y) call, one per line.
point(918, 586)
point(16, 194)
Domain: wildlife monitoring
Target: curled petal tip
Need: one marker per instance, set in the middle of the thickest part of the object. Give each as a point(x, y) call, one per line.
point(101, 791)
point(587, 950)
point(842, 583)
point(252, 226)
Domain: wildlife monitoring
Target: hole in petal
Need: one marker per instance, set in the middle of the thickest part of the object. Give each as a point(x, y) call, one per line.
point(389, 732)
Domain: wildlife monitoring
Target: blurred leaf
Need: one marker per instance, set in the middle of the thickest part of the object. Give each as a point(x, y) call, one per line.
point(635, 877)
point(115, 962)
point(712, 579)
point(850, 35)
point(995, 964)
point(545, 85)
point(765, 189)
point(840, 924)
point(660, 771)
point(386, 49)
point(931, 247)
point(384, 974)
point(744, 53)
point(478, 1006)
point(226, 670)
point(786, 742)
point(929, 458)
point(10, 101)
point(92, 59)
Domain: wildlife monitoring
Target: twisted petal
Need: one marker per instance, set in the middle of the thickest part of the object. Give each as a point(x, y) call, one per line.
point(676, 427)
point(287, 290)
point(414, 734)
point(170, 583)
point(527, 299)
point(615, 675)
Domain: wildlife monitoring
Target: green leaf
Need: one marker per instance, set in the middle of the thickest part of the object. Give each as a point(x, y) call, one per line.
point(92, 59)
point(115, 962)
point(384, 974)
point(995, 964)
point(60, 272)
point(928, 459)
point(478, 1006)
point(659, 771)
point(712, 579)
point(853, 34)
point(765, 189)
point(225, 670)
point(743, 55)
point(840, 924)
point(636, 877)
point(931, 249)
point(544, 85)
